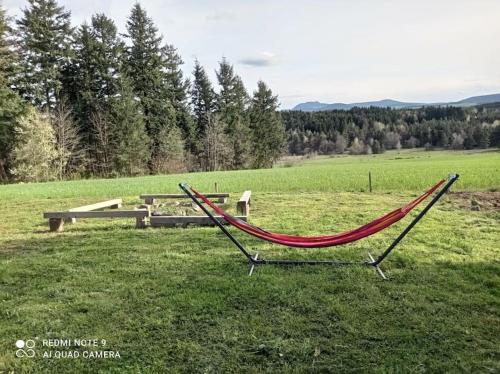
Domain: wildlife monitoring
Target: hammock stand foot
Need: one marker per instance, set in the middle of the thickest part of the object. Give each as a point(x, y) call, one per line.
point(375, 265)
point(253, 264)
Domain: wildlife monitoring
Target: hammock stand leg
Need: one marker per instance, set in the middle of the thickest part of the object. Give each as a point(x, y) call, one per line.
point(423, 212)
point(220, 226)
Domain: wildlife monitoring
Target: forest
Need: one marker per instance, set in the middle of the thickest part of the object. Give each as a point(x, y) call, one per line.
point(95, 101)
point(373, 130)
point(92, 101)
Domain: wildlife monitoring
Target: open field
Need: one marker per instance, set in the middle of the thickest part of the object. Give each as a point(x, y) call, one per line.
point(180, 299)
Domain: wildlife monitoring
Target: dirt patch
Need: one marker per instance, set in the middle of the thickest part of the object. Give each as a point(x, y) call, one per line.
point(477, 201)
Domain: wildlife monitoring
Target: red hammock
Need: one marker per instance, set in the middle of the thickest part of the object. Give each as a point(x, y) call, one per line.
point(371, 228)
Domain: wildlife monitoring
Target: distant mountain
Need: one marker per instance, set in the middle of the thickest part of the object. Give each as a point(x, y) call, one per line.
point(478, 100)
point(314, 106)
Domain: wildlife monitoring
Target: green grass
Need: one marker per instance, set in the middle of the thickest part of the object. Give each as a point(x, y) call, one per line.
point(392, 171)
point(180, 300)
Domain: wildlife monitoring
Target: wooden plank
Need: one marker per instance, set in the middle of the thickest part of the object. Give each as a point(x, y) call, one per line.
point(157, 221)
point(150, 199)
point(180, 195)
point(99, 214)
point(243, 204)
point(115, 203)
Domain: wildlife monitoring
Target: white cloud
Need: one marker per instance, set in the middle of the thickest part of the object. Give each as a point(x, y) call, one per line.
point(262, 59)
point(221, 15)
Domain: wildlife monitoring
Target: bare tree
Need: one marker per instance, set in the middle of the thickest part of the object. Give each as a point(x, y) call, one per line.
point(392, 140)
point(340, 144)
point(457, 142)
point(217, 150)
point(357, 147)
point(103, 148)
point(69, 152)
point(35, 151)
point(170, 156)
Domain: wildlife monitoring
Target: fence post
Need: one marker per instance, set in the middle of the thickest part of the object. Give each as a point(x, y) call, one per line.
point(370, 180)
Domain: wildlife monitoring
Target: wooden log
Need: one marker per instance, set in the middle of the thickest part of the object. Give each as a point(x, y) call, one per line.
point(56, 224)
point(115, 203)
point(99, 214)
point(169, 221)
point(243, 204)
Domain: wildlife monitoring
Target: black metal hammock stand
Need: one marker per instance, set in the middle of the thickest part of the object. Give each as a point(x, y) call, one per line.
point(371, 228)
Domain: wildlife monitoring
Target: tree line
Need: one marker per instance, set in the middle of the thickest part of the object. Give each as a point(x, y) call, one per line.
point(89, 101)
point(373, 130)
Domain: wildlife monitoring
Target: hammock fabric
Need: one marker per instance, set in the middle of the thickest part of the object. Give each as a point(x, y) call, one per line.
point(371, 228)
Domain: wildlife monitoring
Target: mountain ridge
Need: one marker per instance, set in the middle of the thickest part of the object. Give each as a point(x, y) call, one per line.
point(315, 106)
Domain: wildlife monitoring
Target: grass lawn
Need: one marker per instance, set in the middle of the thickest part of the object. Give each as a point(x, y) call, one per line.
point(180, 300)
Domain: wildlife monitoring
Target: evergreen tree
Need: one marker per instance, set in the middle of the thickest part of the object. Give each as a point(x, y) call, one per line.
point(495, 136)
point(130, 144)
point(44, 39)
point(267, 130)
point(11, 107)
point(7, 55)
point(231, 105)
point(178, 92)
point(146, 68)
point(99, 69)
point(77, 78)
point(202, 101)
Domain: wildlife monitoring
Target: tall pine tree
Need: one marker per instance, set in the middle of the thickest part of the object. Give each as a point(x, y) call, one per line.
point(130, 151)
point(104, 102)
point(202, 102)
point(44, 39)
point(97, 70)
point(266, 126)
point(178, 92)
point(146, 67)
point(231, 105)
point(11, 107)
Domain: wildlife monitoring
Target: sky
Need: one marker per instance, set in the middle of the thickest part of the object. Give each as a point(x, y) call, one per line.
point(329, 51)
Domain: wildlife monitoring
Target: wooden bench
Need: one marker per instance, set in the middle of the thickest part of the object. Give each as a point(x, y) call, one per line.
point(56, 219)
point(150, 199)
point(171, 221)
point(243, 204)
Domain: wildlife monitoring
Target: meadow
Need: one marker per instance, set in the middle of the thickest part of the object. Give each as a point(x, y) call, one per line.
point(180, 300)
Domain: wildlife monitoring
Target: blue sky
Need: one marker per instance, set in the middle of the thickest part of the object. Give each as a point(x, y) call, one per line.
point(330, 51)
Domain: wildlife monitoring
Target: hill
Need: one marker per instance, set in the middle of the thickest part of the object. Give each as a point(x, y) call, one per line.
point(313, 106)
